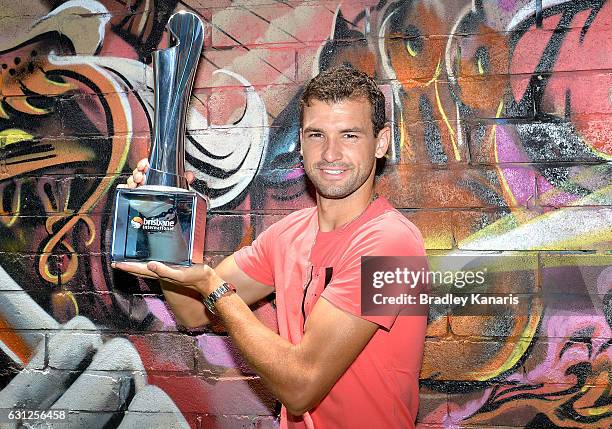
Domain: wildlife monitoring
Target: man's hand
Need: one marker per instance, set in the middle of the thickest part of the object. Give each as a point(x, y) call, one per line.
point(199, 277)
point(184, 294)
point(186, 305)
point(138, 175)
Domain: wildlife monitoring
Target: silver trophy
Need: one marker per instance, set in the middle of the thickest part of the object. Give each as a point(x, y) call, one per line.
point(164, 220)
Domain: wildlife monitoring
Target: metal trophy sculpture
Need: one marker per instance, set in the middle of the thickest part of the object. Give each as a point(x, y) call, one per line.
point(164, 220)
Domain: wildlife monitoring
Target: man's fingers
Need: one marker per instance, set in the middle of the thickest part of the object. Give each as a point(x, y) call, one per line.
point(138, 176)
point(182, 276)
point(190, 177)
point(136, 268)
point(153, 270)
point(143, 165)
point(165, 272)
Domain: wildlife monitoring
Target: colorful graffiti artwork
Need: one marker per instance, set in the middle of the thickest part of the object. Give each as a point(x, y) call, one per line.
point(500, 112)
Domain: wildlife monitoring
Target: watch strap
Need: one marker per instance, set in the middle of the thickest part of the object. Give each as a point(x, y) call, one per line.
point(210, 301)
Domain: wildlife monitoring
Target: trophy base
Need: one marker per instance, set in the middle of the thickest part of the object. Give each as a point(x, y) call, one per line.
point(158, 223)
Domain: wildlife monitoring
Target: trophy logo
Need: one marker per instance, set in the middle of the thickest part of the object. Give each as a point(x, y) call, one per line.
point(136, 222)
point(164, 220)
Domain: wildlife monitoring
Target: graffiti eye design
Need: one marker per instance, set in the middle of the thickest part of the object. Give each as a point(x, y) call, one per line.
point(414, 46)
point(414, 42)
point(483, 64)
point(410, 49)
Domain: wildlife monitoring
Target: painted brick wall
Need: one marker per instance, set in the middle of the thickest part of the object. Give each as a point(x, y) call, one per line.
point(501, 114)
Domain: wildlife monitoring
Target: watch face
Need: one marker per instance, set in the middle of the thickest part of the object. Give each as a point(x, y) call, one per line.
point(220, 291)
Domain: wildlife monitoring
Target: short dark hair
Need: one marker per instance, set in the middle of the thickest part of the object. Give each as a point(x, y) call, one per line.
point(343, 83)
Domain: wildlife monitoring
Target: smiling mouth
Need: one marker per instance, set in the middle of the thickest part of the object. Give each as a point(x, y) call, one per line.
point(334, 171)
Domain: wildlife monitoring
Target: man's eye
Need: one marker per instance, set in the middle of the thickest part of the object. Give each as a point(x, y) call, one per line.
point(350, 136)
point(315, 135)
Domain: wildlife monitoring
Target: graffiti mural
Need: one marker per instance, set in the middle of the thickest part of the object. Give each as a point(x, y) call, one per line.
point(501, 122)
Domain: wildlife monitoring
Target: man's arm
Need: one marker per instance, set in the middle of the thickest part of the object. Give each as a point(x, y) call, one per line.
point(186, 303)
point(299, 375)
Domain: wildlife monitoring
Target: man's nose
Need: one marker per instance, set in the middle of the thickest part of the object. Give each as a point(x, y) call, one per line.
point(332, 150)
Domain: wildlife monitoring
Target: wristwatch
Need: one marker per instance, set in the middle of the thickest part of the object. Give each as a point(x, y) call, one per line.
point(216, 295)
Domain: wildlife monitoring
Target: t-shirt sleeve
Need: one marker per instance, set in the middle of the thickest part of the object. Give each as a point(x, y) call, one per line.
point(344, 289)
point(256, 260)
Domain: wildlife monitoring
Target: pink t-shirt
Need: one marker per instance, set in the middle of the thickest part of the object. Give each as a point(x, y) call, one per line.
point(380, 388)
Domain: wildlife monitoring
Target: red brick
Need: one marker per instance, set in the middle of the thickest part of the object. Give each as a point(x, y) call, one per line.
point(451, 188)
point(435, 226)
point(271, 24)
point(218, 356)
point(596, 101)
point(258, 66)
point(224, 233)
point(579, 49)
point(227, 104)
point(204, 395)
point(166, 351)
point(508, 325)
point(466, 360)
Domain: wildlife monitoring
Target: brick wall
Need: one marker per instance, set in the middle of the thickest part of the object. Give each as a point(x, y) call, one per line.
point(500, 113)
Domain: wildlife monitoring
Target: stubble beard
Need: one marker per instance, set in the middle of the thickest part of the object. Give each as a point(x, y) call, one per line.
point(337, 191)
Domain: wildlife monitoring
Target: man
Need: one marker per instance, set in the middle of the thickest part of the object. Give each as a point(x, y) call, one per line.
point(330, 366)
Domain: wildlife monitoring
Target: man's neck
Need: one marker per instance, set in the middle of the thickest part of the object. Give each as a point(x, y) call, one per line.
point(334, 213)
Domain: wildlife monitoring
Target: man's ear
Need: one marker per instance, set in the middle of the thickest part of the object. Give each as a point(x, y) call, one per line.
point(383, 140)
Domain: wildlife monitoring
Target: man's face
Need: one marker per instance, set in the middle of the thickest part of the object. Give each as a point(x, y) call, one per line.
point(339, 146)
